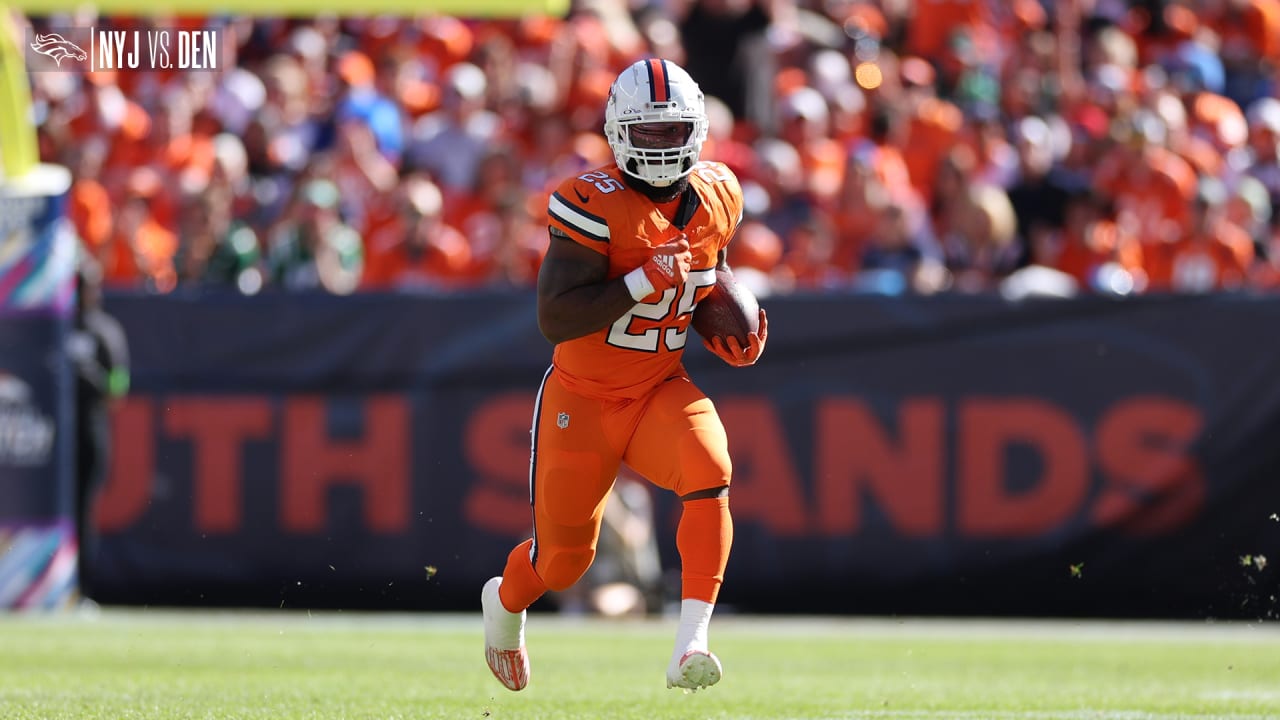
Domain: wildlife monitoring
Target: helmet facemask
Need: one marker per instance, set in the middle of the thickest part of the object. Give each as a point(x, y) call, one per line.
point(654, 161)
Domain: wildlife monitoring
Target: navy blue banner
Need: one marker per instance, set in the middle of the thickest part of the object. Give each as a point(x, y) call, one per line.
point(957, 455)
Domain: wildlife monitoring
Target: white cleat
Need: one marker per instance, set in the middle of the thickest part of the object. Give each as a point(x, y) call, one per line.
point(504, 639)
point(696, 670)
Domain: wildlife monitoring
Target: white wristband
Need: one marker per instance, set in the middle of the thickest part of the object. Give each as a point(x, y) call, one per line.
point(638, 284)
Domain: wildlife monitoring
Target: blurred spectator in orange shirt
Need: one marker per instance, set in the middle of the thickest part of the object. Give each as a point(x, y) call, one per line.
point(89, 206)
point(402, 77)
point(104, 111)
point(141, 250)
point(521, 243)
point(1215, 133)
point(183, 157)
point(857, 211)
point(414, 249)
point(934, 22)
point(495, 219)
point(807, 258)
point(497, 175)
point(442, 41)
point(881, 147)
point(1151, 185)
point(1211, 255)
point(1090, 247)
point(613, 22)
point(934, 125)
point(805, 124)
point(755, 256)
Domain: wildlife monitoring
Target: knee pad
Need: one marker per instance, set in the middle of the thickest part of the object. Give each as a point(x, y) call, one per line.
point(561, 567)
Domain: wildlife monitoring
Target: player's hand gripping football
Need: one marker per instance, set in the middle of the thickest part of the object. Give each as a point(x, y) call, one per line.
point(732, 352)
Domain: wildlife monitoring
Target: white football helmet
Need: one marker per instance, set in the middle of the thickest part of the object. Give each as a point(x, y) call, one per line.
point(655, 91)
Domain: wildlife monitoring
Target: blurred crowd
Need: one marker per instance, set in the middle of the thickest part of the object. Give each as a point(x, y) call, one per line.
point(892, 146)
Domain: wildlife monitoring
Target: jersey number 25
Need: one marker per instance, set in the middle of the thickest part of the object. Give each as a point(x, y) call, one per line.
point(674, 338)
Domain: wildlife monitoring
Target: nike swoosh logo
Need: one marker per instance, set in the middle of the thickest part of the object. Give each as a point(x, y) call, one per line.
point(581, 197)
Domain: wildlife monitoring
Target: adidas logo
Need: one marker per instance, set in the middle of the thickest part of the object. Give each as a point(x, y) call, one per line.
point(665, 263)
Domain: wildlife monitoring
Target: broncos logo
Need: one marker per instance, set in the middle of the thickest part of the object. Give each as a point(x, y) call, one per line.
point(58, 48)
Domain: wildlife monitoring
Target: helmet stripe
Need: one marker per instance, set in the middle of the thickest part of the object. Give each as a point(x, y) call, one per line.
point(659, 83)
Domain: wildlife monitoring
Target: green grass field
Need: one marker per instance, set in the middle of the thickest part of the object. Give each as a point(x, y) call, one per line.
point(290, 665)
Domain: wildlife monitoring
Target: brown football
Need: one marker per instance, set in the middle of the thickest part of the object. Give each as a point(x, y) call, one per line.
point(729, 309)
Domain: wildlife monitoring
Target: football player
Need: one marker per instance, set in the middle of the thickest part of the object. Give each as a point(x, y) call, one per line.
point(634, 246)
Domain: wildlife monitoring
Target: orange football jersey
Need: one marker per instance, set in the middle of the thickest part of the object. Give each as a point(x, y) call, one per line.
point(644, 347)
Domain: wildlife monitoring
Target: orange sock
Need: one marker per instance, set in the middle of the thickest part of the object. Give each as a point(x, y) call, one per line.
point(703, 538)
point(520, 582)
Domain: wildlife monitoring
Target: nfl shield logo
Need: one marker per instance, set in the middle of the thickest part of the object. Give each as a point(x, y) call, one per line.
point(562, 420)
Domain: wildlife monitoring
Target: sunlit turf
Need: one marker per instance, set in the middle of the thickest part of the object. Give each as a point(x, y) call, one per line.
point(122, 665)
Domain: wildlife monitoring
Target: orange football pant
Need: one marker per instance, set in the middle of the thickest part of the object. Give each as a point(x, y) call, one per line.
point(673, 437)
